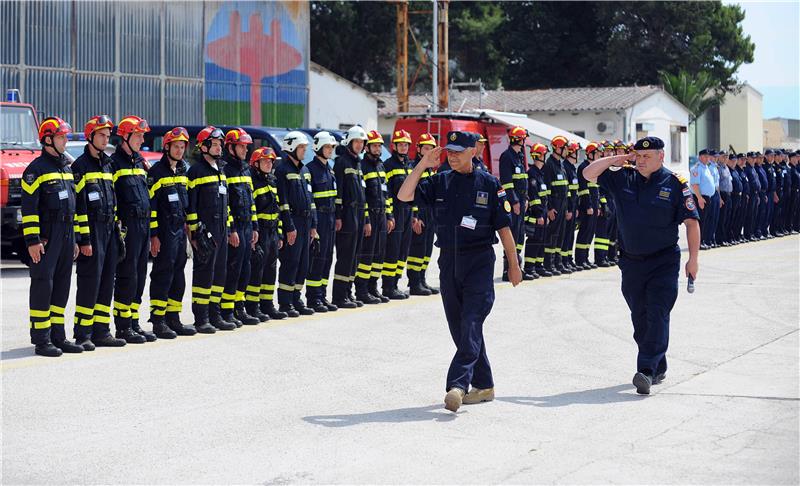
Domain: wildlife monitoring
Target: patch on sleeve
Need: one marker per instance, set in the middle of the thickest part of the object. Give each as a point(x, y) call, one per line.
point(507, 206)
point(30, 177)
point(501, 193)
point(690, 204)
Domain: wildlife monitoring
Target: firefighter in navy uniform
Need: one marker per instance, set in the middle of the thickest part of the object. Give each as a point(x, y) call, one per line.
point(323, 188)
point(514, 180)
point(352, 218)
point(536, 216)
point(419, 254)
point(264, 260)
point(49, 225)
point(571, 173)
point(558, 184)
point(299, 219)
point(133, 211)
point(398, 241)
point(588, 209)
point(244, 227)
point(96, 237)
point(209, 225)
point(379, 204)
point(169, 201)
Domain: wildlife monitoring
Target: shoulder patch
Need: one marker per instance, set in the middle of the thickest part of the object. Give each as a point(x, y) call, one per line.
point(30, 177)
point(680, 178)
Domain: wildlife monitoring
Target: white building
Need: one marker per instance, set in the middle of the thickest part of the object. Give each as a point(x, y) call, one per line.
point(735, 124)
point(336, 103)
point(624, 113)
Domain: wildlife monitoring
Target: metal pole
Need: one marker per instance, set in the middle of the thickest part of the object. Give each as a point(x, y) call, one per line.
point(435, 51)
point(402, 56)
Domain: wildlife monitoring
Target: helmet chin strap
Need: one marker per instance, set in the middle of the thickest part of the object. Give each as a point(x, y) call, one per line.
point(50, 144)
point(91, 142)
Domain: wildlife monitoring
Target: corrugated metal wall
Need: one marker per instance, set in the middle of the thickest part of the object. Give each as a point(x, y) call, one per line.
point(78, 58)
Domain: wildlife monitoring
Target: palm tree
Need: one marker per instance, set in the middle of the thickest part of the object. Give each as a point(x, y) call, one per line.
point(697, 94)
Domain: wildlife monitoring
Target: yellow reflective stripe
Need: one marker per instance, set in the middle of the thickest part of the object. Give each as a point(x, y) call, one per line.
point(30, 219)
point(350, 170)
point(30, 189)
point(292, 177)
point(102, 308)
point(241, 180)
point(396, 172)
point(584, 192)
point(321, 194)
point(263, 190)
point(31, 230)
point(520, 176)
point(372, 175)
point(81, 218)
point(593, 184)
point(128, 172)
point(559, 183)
point(40, 313)
point(267, 217)
point(509, 185)
point(41, 325)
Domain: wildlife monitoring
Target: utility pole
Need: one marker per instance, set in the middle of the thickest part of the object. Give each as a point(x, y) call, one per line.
point(402, 56)
point(441, 51)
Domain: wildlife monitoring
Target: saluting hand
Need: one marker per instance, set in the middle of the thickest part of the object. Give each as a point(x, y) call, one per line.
point(431, 159)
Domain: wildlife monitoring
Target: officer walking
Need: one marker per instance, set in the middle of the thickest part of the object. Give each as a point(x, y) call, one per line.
point(652, 202)
point(323, 188)
point(398, 241)
point(48, 226)
point(588, 208)
point(514, 180)
point(379, 204)
point(133, 210)
point(169, 201)
point(97, 238)
point(264, 260)
point(469, 206)
point(299, 219)
point(419, 254)
point(209, 226)
point(536, 216)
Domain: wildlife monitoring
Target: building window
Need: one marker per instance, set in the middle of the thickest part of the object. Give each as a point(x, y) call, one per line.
point(675, 144)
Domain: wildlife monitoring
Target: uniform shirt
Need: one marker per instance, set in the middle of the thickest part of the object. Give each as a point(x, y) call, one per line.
point(571, 173)
point(795, 173)
point(539, 193)
point(323, 185)
point(772, 181)
point(556, 180)
point(397, 169)
point(467, 208)
point(241, 206)
point(350, 184)
point(130, 184)
point(423, 214)
point(294, 192)
point(588, 192)
point(736, 181)
point(169, 196)
point(48, 197)
point(513, 177)
point(787, 179)
point(753, 179)
point(377, 191)
point(762, 178)
point(649, 211)
point(745, 181)
point(265, 194)
point(94, 187)
point(725, 184)
point(700, 175)
point(712, 167)
point(208, 198)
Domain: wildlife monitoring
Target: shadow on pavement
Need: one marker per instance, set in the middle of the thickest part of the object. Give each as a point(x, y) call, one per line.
point(596, 396)
point(399, 415)
point(17, 353)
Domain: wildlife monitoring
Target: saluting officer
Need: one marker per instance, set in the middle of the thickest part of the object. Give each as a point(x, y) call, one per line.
point(209, 226)
point(536, 217)
point(133, 210)
point(48, 226)
point(169, 201)
point(514, 180)
point(398, 241)
point(469, 207)
point(588, 208)
point(379, 204)
point(97, 237)
point(652, 202)
point(419, 253)
point(477, 160)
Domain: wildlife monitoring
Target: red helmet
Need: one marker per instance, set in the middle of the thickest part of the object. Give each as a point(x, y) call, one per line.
point(401, 136)
point(539, 149)
point(53, 126)
point(592, 147)
point(574, 146)
point(262, 153)
point(177, 134)
point(96, 123)
point(237, 136)
point(517, 134)
point(608, 145)
point(426, 139)
point(619, 144)
point(208, 134)
point(373, 136)
point(559, 141)
point(132, 124)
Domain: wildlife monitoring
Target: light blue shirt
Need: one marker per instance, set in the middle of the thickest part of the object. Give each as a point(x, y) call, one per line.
point(725, 182)
point(712, 167)
point(701, 175)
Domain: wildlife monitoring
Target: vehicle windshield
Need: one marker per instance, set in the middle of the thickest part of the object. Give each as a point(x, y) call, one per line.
point(18, 128)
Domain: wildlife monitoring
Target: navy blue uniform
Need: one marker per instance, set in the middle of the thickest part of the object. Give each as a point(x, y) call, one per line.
point(649, 212)
point(323, 188)
point(763, 208)
point(380, 207)
point(588, 198)
point(754, 201)
point(398, 242)
point(571, 173)
point(351, 209)
point(557, 182)
point(467, 210)
point(264, 264)
point(534, 244)
point(95, 213)
point(419, 253)
point(735, 209)
point(514, 180)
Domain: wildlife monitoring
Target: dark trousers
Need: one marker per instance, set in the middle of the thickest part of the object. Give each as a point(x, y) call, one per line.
point(751, 215)
point(518, 231)
point(370, 258)
point(263, 268)
point(706, 218)
point(534, 243)
point(167, 280)
point(734, 215)
point(467, 288)
point(569, 239)
point(761, 215)
point(554, 237)
point(398, 243)
point(601, 240)
point(96, 282)
point(587, 225)
point(419, 253)
point(237, 271)
point(321, 258)
point(721, 233)
point(50, 282)
point(131, 273)
point(208, 279)
point(650, 288)
point(348, 244)
point(294, 264)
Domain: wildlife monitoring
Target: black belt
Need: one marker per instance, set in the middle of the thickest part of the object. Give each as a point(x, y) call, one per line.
point(641, 258)
point(325, 209)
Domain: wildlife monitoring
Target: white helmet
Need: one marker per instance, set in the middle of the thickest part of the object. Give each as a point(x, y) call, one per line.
point(292, 140)
point(354, 133)
point(322, 139)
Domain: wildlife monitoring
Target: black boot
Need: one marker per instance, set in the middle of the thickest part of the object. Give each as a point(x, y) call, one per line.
point(216, 320)
point(161, 330)
point(367, 298)
point(416, 288)
point(106, 340)
point(241, 314)
point(174, 322)
point(47, 349)
point(84, 339)
point(317, 305)
point(301, 307)
point(434, 290)
point(227, 315)
point(253, 309)
point(331, 307)
point(269, 309)
point(148, 336)
point(289, 311)
point(130, 336)
point(68, 346)
point(352, 298)
point(373, 290)
point(344, 303)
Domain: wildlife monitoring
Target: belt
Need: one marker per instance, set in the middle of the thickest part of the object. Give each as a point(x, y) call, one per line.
point(325, 209)
point(303, 213)
point(641, 258)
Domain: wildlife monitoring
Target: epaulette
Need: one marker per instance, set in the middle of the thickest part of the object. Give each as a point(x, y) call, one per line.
point(680, 178)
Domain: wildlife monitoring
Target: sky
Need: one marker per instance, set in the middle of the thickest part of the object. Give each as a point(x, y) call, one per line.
point(774, 27)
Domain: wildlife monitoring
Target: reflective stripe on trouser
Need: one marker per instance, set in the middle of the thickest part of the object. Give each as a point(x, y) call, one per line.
point(518, 232)
point(587, 226)
point(294, 263)
point(131, 272)
point(263, 270)
point(50, 282)
point(319, 266)
point(419, 253)
point(370, 258)
point(208, 279)
point(348, 245)
point(534, 246)
point(398, 243)
point(555, 234)
point(95, 282)
point(569, 239)
point(237, 271)
point(167, 278)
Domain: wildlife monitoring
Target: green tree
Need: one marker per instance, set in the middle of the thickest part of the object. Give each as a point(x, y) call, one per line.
point(697, 93)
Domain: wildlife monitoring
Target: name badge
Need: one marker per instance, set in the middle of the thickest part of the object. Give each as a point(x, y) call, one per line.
point(94, 196)
point(334, 184)
point(384, 188)
point(574, 181)
point(543, 187)
point(172, 197)
point(223, 189)
point(63, 194)
point(363, 183)
point(517, 170)
point(560, 177)
point(309, 188)
point(469, 222)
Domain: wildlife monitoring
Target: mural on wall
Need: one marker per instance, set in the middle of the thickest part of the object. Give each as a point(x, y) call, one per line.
point(255, 63)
